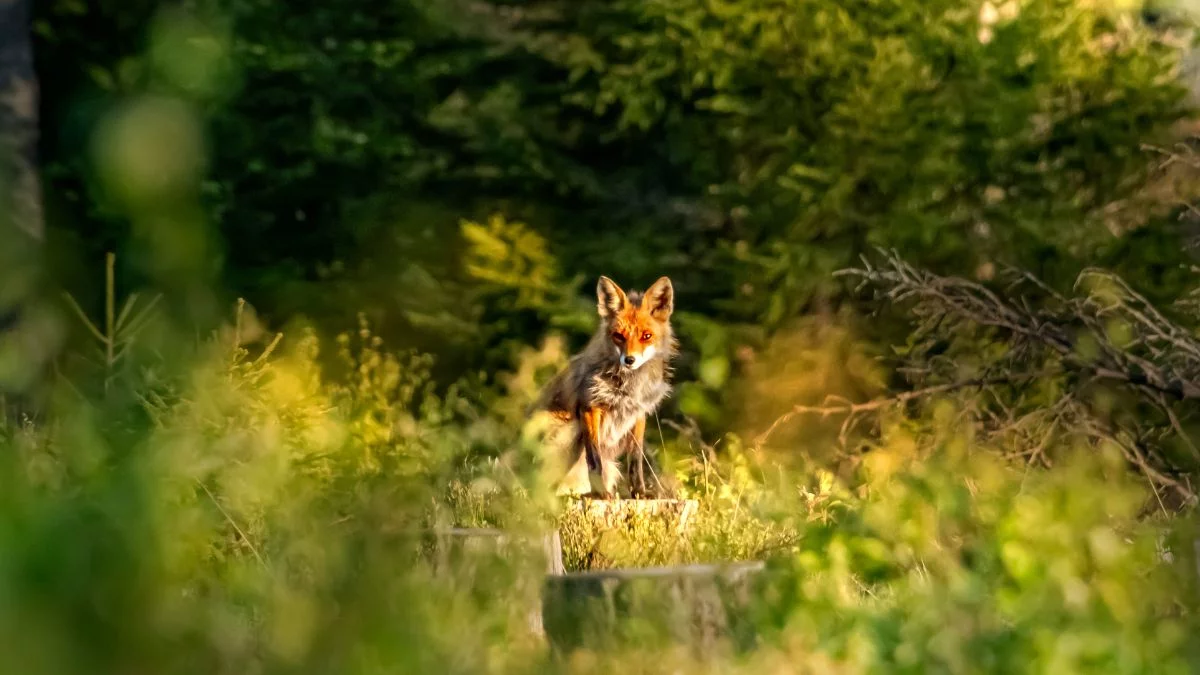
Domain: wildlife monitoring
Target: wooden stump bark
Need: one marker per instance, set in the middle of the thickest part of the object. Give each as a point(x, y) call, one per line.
point(480, 557)
point(705, 607)
point(453, 547)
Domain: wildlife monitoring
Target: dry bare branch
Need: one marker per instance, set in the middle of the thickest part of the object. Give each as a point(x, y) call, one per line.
point(1104, 333)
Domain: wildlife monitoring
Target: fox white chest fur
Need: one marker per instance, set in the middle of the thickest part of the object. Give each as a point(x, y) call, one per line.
point(626, 397)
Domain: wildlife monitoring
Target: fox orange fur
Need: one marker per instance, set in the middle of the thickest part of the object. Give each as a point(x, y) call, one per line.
point(609, 388)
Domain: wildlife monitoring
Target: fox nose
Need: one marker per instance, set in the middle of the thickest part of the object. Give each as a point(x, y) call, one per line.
point(629, 360)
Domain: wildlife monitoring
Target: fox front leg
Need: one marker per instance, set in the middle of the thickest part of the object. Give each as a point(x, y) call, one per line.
point(599, 470)
point(635, 445)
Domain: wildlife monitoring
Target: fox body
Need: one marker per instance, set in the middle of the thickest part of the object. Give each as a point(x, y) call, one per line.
point(608, 389)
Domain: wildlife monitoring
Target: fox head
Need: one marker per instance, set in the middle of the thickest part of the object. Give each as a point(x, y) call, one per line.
point(638, 324)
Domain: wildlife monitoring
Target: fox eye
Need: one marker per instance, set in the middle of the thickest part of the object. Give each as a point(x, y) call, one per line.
point(617, 337)
point(646, 337)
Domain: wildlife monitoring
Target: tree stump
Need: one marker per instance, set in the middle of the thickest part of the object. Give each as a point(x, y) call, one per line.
point(485, 557)
point(705, 607)
point(451, 548)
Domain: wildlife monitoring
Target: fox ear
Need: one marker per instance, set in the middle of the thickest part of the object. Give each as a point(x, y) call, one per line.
point(610, 299)
point(660, 298)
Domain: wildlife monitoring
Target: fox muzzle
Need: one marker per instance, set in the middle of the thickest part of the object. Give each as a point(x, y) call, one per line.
point(635, 361)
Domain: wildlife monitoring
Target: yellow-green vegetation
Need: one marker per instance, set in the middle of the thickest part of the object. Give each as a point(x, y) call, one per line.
point(973, 453)
point(717, 532)
point(265, 517)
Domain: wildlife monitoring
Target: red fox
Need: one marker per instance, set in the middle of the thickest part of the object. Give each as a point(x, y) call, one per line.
point(609, 388)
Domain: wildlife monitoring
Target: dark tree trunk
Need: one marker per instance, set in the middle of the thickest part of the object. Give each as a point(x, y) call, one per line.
point(19, 119)
point(24, 340)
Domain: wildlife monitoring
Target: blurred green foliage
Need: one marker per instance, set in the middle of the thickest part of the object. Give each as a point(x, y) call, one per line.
point(446, 178)
point(748, 150)
point(268, 518)
point(955, 563)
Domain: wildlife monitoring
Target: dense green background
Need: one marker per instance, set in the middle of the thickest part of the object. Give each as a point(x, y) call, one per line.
point(746, 149)
point(420, 194)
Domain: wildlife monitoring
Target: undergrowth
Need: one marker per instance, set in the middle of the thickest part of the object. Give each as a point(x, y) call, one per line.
point(257, 512)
